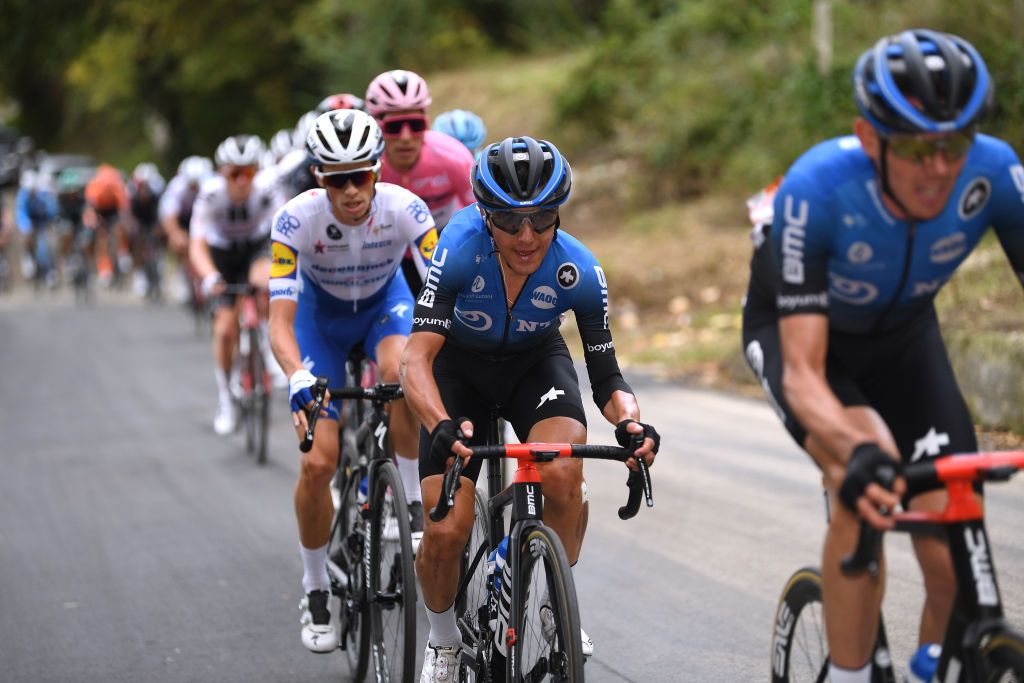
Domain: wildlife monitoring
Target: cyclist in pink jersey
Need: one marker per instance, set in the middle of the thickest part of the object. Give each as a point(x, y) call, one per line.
point(432, 165)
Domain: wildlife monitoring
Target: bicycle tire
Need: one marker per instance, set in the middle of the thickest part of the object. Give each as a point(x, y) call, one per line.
point(260, 396)
point(1003, 655)
point(472, 602)
point(555, 656)
point(392, 581)
point(799, 621)
point(247, 365)
point(345, 566)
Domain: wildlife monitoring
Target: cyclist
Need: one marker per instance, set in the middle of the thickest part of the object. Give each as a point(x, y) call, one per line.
point(333, 284)
point(35, 207)
point(432, 165)
point(485, 333)
point(144, 198)
point(464, 126)
point(71, 205)
point(295, 169)
point(175, 209)
point(839, 322)
point(229, 233)
point(341, 100)
point(106, 211)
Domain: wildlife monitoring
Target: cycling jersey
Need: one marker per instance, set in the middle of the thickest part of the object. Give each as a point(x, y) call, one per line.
point(177, 201)
point(440, 176)
point(464, 299)
point(34, 209)
point(220, 222)
point(106, 192)
point(346, 265)
point(839, 250)
point(292, 174)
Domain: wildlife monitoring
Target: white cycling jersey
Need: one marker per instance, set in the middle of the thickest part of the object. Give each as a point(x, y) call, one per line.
point(220, 222)
point(348, 262)
point(177, 199)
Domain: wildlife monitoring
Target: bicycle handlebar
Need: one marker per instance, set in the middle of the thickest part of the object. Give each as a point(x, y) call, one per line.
point(378, 393)
point(639, 482)
point(950, 471)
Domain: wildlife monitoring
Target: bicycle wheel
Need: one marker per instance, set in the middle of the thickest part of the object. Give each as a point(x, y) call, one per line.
point(1003, 654)
point(471, 604)
point(260, 397)
point(392, 581)
point(345, 567)
point(247, 405)
point(799, 647)
point(547, 646)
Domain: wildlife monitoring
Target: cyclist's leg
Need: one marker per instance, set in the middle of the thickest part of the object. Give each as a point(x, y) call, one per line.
point(233, 267)
point(857, 599)
point(929, 418)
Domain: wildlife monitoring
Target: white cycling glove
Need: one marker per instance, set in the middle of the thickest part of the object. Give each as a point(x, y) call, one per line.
point(209, 282)
point(298, 386)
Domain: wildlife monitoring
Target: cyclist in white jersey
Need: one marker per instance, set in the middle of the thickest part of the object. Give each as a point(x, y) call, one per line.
point(229, 232)
point(334, 283)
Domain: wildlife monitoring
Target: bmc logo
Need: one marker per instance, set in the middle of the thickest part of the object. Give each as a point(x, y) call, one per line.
point(793, 236)
point(432, 278)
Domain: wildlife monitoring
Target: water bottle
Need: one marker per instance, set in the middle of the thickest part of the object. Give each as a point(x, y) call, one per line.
point(924, 662)
point(499, 581)
point(361, 494)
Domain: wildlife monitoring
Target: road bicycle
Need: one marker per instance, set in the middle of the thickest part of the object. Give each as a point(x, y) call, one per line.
point(978, 646)
point(254, 376)
point(370, 555)
point(529, 629)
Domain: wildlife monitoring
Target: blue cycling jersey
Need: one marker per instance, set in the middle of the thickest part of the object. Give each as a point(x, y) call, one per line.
point(838, 250)
point(464, 299)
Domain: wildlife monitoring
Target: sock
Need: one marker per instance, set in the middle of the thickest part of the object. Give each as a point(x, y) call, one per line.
point(314, 569)
point(222, 384)
point(444, 632)
point(838, 675)
point(409, 471)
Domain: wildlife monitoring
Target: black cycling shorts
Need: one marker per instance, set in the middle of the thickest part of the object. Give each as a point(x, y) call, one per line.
point(525, 388)
point(233, 264)
point(903, 373)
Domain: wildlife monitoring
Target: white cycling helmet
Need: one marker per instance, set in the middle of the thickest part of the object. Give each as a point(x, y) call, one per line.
point(397, 90)
point(146, 173)
point(239, 150)
point(195, 169)
point(303, 125)
point(345, 136)
point(282, 143)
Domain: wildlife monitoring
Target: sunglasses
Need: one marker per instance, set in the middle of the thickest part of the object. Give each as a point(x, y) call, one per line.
point(916, 149)
point(247, 172)
point(339, 179)
point(511, 222)
point(392, 127)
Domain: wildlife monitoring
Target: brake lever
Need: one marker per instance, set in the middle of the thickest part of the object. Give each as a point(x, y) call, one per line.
point(319, 393)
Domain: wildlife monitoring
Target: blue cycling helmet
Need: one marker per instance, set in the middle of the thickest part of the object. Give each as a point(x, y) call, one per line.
point(464, 126)
point(943, 73)
point(521, 173)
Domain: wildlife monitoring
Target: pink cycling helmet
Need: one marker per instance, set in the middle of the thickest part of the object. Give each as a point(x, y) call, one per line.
point(395, 91)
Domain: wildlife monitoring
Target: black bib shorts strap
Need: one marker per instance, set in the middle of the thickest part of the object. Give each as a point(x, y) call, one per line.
point(526, 388)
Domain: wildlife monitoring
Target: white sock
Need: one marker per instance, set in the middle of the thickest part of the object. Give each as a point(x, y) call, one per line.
point(444, 632)
point(409, 471)
point(838, 675)
point(314, 569)
point(222, 384)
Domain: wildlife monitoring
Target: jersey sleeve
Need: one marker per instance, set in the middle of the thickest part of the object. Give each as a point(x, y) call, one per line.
point(801, 247)
point(435, 306)
point(418, 230)
point(170, 200)
point(202, 215)
point(591, 309)
point(1008, 210)
point(284, 254)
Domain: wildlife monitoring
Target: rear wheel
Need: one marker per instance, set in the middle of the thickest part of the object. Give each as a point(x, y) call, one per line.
point(546, 622)
point(392, 580)
point(260, 397)
point(1003, 654)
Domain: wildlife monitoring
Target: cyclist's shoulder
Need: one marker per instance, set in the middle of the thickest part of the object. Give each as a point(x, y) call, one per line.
point(826, 165)
point(392, 194)
point(466, 228)
point(212, 188)
point(569, 248)
point(448, 151)
point(991, 153)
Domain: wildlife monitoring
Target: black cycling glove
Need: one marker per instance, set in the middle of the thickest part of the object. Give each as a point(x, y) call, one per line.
point(868, 463)
point(444, 436)
point(625, 439)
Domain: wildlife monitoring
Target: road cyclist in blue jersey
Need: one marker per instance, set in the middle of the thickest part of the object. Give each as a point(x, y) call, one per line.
point(839, 322)
point(486, 333)
point(334, 283)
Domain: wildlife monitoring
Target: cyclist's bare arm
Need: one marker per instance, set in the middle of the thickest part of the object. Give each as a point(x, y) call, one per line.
point(199, 255)
point(417, 375)
point(622, 406)
point(176, 236)
point(282, 335)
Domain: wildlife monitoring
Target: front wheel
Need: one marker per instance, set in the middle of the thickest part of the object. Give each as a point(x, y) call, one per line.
point(345, 567)
point(799, 647)
point(260, 398)
point(392, 580)
point(1003, 654)
point(546, 620)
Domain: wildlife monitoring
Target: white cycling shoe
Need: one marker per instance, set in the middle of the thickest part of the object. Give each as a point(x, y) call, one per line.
point(440, 664)
point(226, 419)
point(318, 631)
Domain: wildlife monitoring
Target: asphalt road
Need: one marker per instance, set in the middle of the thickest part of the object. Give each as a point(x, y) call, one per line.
point(135, 545)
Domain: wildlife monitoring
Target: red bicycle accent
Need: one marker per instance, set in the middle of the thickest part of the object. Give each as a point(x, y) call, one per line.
point(958, 473)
